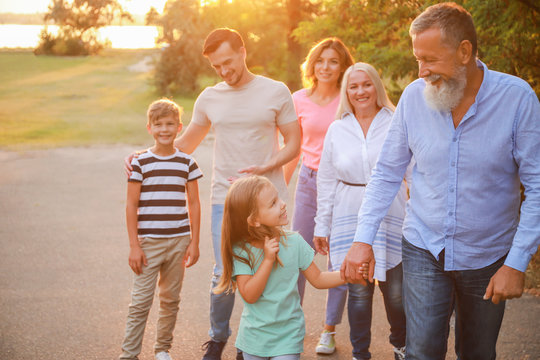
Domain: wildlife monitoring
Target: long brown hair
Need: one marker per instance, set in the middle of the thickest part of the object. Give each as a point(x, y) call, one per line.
point(236, 230)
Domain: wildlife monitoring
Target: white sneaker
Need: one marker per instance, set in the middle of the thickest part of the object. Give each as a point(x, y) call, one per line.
point(327, 344)
point(399, 353)
point(163, 355)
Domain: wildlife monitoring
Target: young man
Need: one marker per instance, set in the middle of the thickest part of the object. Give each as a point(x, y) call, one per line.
point(474, 135)
point(244, 110)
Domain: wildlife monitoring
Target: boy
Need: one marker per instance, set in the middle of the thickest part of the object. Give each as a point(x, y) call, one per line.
point(158, 225)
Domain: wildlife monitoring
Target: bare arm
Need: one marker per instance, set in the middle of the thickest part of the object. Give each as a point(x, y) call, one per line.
point(251, 287)
point(191, 138)
point(288, 168)
point(291, 149)
point(136, 255)
point(194, 209)
point(322, 280)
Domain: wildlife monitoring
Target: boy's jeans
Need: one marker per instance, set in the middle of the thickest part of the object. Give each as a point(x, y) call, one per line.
point(360, 312)
point(431, 294)
point(165, 258)
point(221, 305)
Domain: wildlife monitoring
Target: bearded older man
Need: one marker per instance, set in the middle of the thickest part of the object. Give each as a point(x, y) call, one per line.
point(475, 136)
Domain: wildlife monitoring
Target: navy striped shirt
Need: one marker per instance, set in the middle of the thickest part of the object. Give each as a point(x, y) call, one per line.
point(162, 210)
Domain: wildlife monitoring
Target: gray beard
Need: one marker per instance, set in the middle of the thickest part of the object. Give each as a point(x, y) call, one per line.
point(449, 93)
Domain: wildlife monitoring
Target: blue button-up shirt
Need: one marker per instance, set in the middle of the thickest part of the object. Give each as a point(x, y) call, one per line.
point(465, 192)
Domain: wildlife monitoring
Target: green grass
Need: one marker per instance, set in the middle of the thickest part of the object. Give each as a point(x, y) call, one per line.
point(50, 101)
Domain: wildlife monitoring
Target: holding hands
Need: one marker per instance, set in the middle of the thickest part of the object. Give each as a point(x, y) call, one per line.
point(359, 264)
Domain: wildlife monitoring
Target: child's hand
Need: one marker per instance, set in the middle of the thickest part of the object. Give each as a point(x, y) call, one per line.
point(271, 248)
point(364, 270)
point(192, 254)
point(137, 259)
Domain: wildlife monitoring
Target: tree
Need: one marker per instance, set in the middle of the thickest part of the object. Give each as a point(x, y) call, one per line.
point(182, 31)
point(78, 22)
point(376, 31)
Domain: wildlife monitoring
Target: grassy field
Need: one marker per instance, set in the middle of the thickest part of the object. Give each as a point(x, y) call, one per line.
point(75, 101)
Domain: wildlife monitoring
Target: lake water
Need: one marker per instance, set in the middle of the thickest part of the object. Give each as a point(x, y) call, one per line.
point(121, 37)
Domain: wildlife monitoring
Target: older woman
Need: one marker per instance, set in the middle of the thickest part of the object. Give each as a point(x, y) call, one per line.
point(351, 148)
point(316, 107)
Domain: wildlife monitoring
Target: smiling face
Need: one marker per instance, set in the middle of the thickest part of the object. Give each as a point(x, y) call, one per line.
point(361, 92)
point(328, 67)
point(164, 130)
point(271, 210)
point(440, 67)
point(230, 65)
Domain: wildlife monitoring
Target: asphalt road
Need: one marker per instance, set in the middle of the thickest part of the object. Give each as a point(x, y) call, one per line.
point(65, 282)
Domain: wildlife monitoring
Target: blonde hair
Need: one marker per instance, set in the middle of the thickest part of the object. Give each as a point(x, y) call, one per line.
point(309, 80)
point(162, 108)
point(236, 230)
point(382, 97)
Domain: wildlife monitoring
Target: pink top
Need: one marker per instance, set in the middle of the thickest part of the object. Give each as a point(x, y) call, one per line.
point(314, 121)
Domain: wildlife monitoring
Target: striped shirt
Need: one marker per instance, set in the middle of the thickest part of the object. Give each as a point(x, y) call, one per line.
point(162, 210)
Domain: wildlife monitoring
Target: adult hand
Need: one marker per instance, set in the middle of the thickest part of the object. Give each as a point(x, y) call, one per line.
point(127, 162)
point(253, 170)
point(321, 244)
point(507, 283)
point(352, 268)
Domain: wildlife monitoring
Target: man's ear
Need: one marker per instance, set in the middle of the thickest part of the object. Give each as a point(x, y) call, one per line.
point(464, 52)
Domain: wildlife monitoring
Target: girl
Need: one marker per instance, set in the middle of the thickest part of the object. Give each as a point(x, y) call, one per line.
point(262, 262)
point(351, 148)
point(316, 105)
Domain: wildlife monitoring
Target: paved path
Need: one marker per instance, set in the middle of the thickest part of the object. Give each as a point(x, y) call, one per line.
point(65, 283)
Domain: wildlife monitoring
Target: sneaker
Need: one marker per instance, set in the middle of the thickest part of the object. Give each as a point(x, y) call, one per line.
point(327, 344)
point(213, 350)
point(163, 355)
point(399, 353)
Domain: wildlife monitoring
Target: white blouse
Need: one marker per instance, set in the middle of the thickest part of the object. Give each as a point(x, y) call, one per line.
point(346, 162)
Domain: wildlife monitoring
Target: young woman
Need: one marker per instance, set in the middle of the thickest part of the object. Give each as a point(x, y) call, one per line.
point(350, 151)
point(263, 263)
point(316, 107)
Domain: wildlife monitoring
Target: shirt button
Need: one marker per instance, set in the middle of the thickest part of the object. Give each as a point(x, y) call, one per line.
point(453, 163)
point(450, 213)
point(451, 190)
point(454, 139)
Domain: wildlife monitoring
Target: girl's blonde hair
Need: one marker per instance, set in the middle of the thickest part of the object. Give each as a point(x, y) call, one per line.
point(382, 97)
point(309, 80)
point(237, 229)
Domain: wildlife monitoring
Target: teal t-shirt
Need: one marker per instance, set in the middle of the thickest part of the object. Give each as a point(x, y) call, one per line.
point(274, 325)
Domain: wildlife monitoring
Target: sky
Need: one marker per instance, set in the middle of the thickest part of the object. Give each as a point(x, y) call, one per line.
point(36, 6)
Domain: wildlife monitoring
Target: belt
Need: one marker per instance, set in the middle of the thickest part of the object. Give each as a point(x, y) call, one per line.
point(351, 184)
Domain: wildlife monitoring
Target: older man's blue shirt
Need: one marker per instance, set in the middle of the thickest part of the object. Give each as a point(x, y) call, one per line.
point(465, 191)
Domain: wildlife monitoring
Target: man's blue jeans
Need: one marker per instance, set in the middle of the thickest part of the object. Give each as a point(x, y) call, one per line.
point(359, 310)
point(221, 305)
point(430, 296)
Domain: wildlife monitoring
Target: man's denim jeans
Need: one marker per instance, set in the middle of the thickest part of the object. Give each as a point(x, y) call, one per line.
point(360, 310)
point(221, 305)
point(430, 296)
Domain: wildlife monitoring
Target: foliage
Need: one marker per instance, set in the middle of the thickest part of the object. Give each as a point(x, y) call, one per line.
point(78, 22)
point(509, 37)
point(376, 31)
point(182, 32)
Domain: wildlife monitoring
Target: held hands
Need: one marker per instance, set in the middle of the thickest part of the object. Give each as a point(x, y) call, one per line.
point(507, 283)
point(321, 244)
point(359, 257)
point(137, 259)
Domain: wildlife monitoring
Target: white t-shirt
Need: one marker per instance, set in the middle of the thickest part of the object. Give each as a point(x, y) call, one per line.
point(244, 121)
